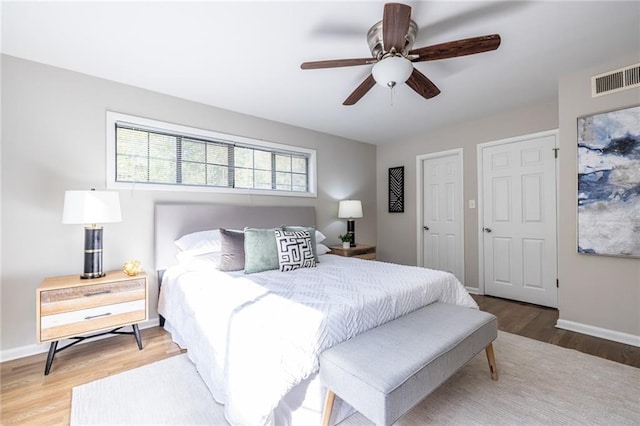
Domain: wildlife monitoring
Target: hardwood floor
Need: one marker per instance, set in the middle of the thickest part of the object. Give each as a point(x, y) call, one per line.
point(538, 322)
point(27, 397)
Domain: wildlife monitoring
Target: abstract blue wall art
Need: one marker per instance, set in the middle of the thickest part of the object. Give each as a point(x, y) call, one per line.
point(609, 183)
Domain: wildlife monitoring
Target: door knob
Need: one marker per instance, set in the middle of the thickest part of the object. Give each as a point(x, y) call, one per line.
point(486, 229)
point(426, 228)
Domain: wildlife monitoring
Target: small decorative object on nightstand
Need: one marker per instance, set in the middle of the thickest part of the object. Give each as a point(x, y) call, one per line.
point(132, 267)
point(69, 306)
point(346, 240)
point(361, 251)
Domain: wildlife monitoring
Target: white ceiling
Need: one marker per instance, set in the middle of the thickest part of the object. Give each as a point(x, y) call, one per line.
point(245, 56)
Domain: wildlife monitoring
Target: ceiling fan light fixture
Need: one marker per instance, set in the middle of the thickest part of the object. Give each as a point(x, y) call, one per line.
point(392, 70)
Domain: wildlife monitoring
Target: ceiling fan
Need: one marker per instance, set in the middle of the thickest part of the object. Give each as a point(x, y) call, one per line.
point(391, 44)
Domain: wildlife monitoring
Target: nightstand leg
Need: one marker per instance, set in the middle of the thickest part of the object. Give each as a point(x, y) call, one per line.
point(136, 332)
point(52, 353)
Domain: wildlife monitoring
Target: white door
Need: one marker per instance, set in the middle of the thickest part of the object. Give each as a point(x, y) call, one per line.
point(519, 219)
point(442, 213)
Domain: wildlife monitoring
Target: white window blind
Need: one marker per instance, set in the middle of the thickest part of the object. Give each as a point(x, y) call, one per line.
point(159, 155)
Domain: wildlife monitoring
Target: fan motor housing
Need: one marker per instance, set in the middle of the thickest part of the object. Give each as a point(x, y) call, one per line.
point(376, 45)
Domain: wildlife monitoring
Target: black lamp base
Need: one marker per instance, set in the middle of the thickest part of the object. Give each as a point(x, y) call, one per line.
point(351, 230)
point(92, 253)
point(90, 277)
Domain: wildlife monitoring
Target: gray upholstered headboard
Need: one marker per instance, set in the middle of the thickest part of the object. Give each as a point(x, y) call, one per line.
point(174, 220)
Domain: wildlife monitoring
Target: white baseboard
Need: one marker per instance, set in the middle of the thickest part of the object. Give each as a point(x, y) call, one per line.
point(24, 351)
point(616, 336)
point(473, 290)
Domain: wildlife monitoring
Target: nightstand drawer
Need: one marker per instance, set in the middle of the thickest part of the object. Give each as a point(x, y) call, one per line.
point(66, 324)
point(89, 296)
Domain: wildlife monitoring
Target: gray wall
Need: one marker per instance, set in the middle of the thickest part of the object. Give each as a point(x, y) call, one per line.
point(594, 290)
point(397, 233)
point(53, 139)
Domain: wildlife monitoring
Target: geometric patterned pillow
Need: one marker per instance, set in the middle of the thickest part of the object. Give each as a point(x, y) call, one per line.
point(295, 250)
point(312, 235)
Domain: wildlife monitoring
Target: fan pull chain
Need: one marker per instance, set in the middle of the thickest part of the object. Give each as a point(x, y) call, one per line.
point(392, 87)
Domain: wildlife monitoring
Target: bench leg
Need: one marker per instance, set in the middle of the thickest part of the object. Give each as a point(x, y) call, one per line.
point(492, 361)
point(328, 406)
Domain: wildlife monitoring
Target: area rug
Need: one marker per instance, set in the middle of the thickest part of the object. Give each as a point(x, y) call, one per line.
point(540, 384)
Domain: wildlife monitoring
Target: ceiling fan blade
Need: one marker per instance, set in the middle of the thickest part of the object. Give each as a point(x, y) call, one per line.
point(422, 85)
point(360, 91)
point(452, 49)
point(335, 63)
point(395, 25)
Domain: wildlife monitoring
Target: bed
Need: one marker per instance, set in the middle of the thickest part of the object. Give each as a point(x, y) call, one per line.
point(255, 338)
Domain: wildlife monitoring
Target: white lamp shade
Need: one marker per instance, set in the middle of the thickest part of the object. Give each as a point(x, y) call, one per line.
point(91, 207)
point(350, 209)
point(392, 70)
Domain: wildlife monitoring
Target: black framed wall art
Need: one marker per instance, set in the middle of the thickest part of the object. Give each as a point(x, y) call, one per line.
point(396, 189)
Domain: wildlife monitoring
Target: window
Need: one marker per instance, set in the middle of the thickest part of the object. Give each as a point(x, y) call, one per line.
point(157, 155)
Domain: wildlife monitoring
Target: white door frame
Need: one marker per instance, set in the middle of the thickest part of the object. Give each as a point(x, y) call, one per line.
point(480, 204)
point(420, 202)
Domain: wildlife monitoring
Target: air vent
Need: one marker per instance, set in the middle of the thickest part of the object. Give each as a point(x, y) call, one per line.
point(615, 81)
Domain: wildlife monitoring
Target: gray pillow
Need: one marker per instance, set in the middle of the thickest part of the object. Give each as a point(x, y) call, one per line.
point(232, 247)
point(312, 235)
point(260, 250)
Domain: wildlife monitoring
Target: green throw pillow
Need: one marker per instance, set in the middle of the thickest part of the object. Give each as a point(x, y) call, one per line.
point(260, 250)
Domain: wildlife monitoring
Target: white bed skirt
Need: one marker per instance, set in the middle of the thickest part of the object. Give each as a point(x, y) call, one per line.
point(302, 406)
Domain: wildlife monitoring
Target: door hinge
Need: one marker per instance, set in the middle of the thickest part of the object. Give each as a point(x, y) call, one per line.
point(557, 283)
point(555, 152)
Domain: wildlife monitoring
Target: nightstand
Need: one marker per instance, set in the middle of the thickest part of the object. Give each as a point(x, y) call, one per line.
point(68, 306)
point(361, 251)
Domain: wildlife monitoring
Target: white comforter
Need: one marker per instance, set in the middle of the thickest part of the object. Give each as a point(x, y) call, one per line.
point(254, 337)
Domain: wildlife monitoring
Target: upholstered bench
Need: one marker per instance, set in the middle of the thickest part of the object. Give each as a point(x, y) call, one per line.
point(384, 372)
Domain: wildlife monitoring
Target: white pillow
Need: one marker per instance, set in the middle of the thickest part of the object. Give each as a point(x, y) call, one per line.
point(320, 237)
point(322, 249)
point(207, 260)
point(200, 242)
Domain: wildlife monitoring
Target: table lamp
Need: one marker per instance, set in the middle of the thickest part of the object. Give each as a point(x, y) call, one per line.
point(91, 208)
point(350, 210)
